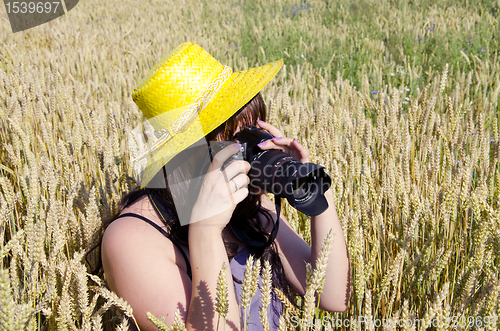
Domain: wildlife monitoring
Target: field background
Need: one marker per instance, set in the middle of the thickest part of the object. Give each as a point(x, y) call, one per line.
point(399, 100)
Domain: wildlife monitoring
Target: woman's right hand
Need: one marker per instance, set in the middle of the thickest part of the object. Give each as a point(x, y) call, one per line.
point(211, 212)
point(219, 193)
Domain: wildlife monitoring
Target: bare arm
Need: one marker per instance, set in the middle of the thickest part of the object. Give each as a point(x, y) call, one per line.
point(295, 251)
point(207, 257)
point(337, 288)
point(216, 202)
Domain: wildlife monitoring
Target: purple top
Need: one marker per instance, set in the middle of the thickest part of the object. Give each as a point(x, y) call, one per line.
point(274, 309)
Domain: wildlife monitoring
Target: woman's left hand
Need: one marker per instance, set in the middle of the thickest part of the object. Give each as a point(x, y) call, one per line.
point(289, 146)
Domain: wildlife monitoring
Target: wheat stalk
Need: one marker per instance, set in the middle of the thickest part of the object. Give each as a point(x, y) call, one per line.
point(435, 307)
point(178, 325)
point(247, 290)
point(158, 322)
point(265, 298)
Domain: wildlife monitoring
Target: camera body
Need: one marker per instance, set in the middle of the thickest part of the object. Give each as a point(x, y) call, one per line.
point(274, 171)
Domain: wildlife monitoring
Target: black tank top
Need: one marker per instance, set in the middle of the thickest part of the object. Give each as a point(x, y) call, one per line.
point(171, 238)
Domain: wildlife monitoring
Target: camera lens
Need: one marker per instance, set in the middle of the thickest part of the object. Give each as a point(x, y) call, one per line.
point(300, 187)
point(276, 172)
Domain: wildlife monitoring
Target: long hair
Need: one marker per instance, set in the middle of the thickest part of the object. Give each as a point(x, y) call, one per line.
point(248, 210)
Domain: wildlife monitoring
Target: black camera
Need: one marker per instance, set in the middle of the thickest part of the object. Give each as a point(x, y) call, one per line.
point(302, 184)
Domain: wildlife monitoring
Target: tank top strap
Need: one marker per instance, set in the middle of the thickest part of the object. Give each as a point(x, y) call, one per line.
point(171, 238)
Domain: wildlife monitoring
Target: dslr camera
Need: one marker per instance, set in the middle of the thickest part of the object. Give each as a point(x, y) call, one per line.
point(273, 171)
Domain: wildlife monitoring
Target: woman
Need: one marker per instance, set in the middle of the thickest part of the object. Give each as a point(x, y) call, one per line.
point(189, 97)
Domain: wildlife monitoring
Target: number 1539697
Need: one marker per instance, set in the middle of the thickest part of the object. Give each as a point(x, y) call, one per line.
point(23, 7)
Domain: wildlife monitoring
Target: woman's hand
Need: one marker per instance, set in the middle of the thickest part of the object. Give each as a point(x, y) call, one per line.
point(220, 192)
point(289, 146)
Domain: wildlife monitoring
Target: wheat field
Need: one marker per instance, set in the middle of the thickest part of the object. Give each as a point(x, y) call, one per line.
point(399, 103)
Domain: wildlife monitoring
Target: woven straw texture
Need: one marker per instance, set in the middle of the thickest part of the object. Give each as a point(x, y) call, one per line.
point(175, 83)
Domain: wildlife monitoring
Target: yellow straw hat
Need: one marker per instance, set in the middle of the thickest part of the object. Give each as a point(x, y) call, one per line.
point(187, 95)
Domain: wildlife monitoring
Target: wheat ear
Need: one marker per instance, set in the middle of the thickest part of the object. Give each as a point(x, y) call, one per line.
point(436, 305)
point(247, 290)
point(318, 276)
point(265, 298)
point(288, 305)
point(221, 297)
point(178, 325)
point(158, 322)
point(8, 246)
point(124, 325)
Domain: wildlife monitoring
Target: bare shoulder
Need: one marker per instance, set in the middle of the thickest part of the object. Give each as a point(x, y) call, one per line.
point(144, 267)
point(132, 235)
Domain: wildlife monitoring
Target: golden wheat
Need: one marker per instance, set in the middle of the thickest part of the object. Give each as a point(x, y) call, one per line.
point(415, 174)
point(221, 298)
point(265, 291)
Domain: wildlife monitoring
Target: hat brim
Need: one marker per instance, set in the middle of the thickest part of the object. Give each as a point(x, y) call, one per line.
point(237, 91)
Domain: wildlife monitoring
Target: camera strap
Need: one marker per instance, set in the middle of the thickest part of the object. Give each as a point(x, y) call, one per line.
point(243, 237)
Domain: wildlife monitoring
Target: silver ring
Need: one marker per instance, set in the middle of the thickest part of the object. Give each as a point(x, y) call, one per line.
point(237, 186)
